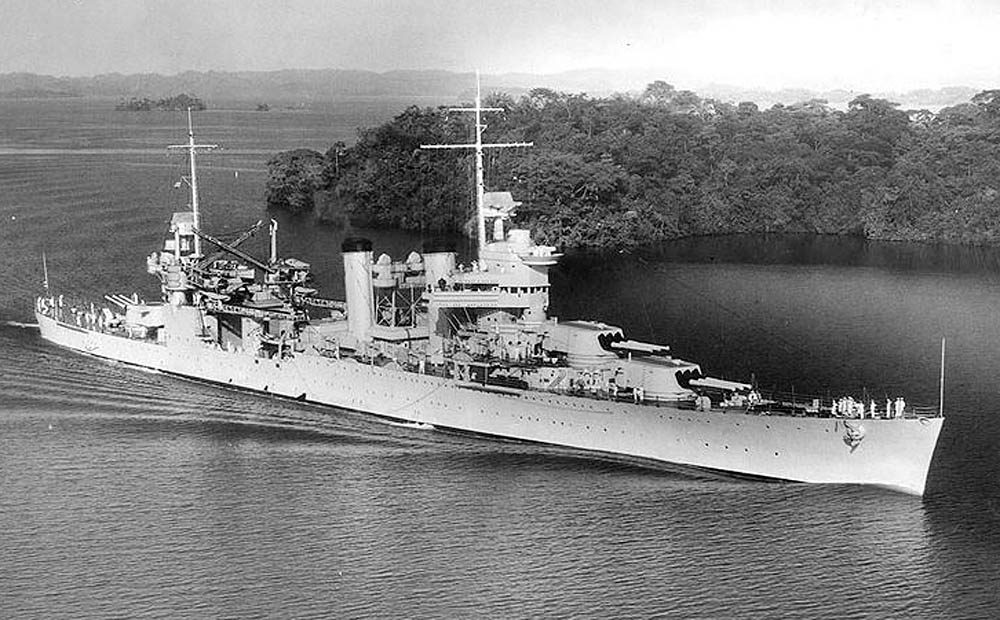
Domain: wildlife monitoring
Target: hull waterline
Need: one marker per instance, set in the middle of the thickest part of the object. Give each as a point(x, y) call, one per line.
point(894, 454)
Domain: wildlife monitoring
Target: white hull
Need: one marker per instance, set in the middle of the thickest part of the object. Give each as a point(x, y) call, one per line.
point(895, 454)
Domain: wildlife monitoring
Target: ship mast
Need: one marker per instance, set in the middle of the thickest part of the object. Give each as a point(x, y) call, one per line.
point(45, 270)
point(192, 181)
point(941, 383)
point(478, 146)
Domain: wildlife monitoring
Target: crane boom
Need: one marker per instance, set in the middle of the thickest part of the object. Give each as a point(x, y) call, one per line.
point(232, 250)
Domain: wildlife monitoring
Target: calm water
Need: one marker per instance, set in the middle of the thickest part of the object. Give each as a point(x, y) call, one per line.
point(129, 494)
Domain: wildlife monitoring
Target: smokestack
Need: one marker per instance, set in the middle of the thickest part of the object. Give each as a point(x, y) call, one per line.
point(357, 254)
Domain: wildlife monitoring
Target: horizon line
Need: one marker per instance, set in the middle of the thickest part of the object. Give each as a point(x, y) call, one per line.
point(647, 76)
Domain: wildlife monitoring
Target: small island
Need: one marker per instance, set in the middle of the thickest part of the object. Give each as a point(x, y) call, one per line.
point(177, 102)
point(622, 171)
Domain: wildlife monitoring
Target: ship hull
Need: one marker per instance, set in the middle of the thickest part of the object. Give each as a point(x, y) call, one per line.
point(894, 454)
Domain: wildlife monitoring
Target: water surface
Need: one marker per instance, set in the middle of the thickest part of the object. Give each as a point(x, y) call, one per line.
point(130, 494)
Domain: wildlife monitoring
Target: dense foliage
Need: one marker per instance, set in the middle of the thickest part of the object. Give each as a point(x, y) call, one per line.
point(177, 102)
point(294, 179)
point(631, 170)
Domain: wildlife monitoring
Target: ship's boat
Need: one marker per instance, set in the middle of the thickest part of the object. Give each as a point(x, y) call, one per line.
point(428, 342)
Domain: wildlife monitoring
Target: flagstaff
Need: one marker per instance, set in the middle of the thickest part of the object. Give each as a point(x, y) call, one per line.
point(941, 383)
point(45, 271)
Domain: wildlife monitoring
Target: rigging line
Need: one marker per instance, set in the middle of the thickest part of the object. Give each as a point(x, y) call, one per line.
point(732, 313)
point(787, 343)
point(649, 323)
point(491, 166)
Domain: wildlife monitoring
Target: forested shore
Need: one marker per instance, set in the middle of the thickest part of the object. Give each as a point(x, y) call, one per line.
point(625, 171)
point(182, 101)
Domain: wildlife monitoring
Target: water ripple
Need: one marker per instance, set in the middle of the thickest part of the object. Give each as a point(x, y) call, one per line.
point(130, 494)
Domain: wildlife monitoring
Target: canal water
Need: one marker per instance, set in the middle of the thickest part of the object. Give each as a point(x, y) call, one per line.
point(130, 494)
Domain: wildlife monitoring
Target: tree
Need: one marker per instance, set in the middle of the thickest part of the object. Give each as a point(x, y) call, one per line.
point(876, 127)
point(747, 109)
point(293, 178)
point(658, 93)
point(622, 171)
point(962, 114)
point(989, 102)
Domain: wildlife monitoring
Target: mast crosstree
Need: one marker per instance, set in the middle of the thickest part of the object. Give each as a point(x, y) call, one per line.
point(478, 145)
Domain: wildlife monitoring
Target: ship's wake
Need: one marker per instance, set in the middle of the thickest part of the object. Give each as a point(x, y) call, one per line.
point(423, 426)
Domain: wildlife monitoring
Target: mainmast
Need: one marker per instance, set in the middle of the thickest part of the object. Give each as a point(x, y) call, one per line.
point(478, 146)
point(193, 179)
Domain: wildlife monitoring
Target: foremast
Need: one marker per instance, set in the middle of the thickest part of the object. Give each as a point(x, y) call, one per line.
point(192, 148)
point(478, 146)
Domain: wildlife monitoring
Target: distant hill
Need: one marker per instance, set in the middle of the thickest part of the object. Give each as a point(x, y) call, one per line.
point(925, 98)
point(290, 85)
point(36, 93)
point(305, 85)
point(308, 84)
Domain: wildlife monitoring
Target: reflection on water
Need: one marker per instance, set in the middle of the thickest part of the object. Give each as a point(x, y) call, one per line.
point(127, 493)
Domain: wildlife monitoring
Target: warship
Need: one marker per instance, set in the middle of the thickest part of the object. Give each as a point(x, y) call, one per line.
point(435, 344)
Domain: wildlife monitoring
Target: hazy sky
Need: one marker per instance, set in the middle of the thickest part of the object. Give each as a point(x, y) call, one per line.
point(876, 44)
